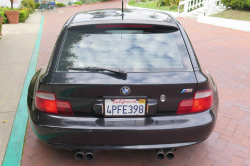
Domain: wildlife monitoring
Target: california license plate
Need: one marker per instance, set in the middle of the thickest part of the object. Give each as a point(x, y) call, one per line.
point(125, 107)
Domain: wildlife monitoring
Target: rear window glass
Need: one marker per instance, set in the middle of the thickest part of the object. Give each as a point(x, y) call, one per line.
point(128, 50)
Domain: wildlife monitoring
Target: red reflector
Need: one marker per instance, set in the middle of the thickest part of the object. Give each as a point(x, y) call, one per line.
point(201, 101)
point(123, 26)
point(47, 102)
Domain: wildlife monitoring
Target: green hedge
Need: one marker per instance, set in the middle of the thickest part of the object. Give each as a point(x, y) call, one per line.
point(132, 2)
point(173, 7)
point(61, 5)
point(37, 5)
point(78, 3)
point(29, 4)
point(160, 3)
point(237, 4)
point(29, 11)
point(2, 14)
point(0, 27)
point(22, 16)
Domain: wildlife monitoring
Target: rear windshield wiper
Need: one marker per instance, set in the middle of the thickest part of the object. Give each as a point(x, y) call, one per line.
point(121, 72)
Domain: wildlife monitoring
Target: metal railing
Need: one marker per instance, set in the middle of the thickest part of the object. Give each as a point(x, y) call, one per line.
point(190, 5)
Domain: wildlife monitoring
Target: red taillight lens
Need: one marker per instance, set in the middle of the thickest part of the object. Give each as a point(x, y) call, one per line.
point(47, 102)
point(123, 26)
point(201, 101)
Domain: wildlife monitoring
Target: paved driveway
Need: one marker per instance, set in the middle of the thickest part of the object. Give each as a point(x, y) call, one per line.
point(225, 53)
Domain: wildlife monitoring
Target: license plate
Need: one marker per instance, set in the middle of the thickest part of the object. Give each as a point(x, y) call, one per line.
point(123, 107)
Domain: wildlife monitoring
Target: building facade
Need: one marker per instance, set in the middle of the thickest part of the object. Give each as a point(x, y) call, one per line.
point(16, 3)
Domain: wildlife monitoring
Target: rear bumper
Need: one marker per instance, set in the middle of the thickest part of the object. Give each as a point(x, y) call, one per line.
point(122, 133)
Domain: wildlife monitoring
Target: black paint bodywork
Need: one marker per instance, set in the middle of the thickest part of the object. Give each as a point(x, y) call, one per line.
point(89, 129)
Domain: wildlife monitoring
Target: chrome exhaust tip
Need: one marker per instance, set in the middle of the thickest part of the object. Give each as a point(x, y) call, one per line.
point(160, 154)
point(79, 155)
point(89, 156)
point(169, 154)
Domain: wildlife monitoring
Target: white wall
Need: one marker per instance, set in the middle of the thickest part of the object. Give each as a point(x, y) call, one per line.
point(66, 1)
point(16, 4)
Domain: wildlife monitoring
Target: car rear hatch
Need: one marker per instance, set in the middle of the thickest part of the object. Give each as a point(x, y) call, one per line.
point(82, 90)
point(154, 57)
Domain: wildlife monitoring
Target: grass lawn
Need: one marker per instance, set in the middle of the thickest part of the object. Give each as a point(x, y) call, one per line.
point(152, 5)
point(234, 14)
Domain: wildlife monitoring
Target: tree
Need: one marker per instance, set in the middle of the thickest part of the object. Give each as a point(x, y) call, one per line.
point(11, 1)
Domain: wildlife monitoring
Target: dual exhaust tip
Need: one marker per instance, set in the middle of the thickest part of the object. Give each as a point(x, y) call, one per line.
point(161, 153)
point(87, 155)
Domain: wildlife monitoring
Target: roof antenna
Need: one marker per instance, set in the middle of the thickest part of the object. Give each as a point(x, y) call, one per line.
point(122, 9)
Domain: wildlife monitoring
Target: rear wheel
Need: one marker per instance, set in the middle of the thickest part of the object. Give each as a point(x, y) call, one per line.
point(52, 8)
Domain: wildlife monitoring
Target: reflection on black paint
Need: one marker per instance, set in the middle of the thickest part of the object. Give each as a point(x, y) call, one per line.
point(68, 57)
point(130, 52)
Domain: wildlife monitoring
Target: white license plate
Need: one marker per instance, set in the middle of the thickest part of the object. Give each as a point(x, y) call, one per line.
point(125, 107)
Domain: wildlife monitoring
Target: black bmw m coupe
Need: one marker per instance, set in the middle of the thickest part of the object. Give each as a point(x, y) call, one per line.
point(122, 80)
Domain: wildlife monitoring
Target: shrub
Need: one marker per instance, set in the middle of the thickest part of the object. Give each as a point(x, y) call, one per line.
point(9, 9)
point(160, 3)
point(31, 11)
point(143, 0)
point(70, 3)
point(0, 27)
point(167, 2)
point(27, 10)
point(173, 2)
point(237, 4)
point(173, 7)
point(2, 14)
point(37, 5)
point(78, 3)
point(87, 1)
point(29, 4)
point(132, 2)
point(22, 15)
point(27, 13)
point(61, 5)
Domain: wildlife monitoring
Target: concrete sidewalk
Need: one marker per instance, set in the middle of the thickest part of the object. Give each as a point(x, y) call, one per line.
point(16, 47)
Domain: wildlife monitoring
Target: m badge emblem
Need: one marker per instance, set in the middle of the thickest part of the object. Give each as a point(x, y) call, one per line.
point(190, 90)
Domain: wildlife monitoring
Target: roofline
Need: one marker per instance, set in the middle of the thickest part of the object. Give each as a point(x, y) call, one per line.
point(149, 21)
point(119, 21)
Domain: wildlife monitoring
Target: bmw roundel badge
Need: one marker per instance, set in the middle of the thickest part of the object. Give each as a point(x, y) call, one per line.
point(125, 90)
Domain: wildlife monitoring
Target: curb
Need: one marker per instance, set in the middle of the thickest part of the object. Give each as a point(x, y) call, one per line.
point(227, 23)
point(14, 150)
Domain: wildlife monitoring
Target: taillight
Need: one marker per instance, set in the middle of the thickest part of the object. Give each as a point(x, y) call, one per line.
point(201, 101)
point(47, 102)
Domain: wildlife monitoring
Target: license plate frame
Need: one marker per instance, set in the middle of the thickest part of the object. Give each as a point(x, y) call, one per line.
point(125, 97)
